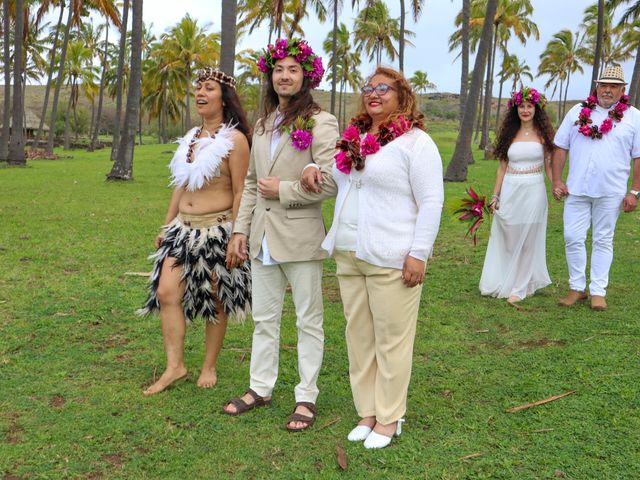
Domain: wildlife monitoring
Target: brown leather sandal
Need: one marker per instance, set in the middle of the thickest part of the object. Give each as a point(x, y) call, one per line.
point(299, 417)
point(243, 407)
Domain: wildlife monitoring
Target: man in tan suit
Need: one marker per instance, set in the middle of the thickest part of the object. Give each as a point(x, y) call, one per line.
point(284, 225)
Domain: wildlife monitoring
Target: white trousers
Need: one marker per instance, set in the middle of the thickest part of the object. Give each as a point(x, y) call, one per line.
point(269, 283)
point(581, 213)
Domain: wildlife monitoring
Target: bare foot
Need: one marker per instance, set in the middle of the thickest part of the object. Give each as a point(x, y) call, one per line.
point(169, 376)
point(302, 411)
point(514, 299)
point(231, 409)
point(208, 378)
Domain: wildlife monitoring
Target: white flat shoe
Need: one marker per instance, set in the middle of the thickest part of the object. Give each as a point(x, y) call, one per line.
point(377, 440)
point(361, 432)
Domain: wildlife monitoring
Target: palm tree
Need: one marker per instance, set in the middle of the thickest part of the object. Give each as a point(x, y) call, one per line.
point(6, 109)
point(515, 69)
point(347, 63)
point(599, 41)
point(187, 46)
point(52, 66)
point(630, 39)
point(416, 10)
point(123, 166)
point(457, 168)
point(420, 82)
point(336, 7)
point(561, 58)
point(228, 36)
point(105, 65)
point(119, 80)
point(76, 9)
point(464, 73)
point(512, 16)
point(16, 144)
point(376, 32)
point(79, 69)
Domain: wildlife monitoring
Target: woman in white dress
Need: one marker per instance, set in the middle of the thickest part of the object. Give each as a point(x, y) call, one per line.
point(515, 265)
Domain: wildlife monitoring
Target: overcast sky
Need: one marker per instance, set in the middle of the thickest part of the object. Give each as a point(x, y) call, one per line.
point(433, 29)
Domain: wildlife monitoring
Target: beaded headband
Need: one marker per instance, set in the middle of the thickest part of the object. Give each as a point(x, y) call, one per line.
point(528, 94)
point(210, 73)
point(298, 49)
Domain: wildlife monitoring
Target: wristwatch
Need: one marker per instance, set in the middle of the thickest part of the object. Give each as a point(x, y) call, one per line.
point(635, 193)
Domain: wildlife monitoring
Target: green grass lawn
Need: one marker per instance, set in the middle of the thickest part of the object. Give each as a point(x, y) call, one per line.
point(74, 357)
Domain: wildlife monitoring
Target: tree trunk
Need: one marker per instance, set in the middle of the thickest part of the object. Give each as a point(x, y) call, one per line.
point(340, 106)
point(47, 90)
point(464, 75)
point(123, 166)
point(228, 36)
point(67, 122)
point(334, 60)
point(499, 100)
point(96, 128)
point(401, 46)
point(6, 108)
point(56, 94)
point(457, 168)
point(480, 110)
point(566, 92)
point(187, 103)
point(117, 119)
point(598, 53)
point(16, 144)
point(488, 94)
point(635, 80)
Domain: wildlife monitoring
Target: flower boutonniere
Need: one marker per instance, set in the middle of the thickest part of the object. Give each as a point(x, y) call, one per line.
point(301, 133)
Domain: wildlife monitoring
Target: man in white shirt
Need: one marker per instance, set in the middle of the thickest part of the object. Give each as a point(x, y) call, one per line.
point(601, 135)
point(283, 225)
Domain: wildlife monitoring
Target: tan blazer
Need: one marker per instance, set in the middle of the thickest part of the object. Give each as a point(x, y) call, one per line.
point(293, 223)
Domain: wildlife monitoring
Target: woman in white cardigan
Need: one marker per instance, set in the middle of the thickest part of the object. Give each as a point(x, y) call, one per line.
point(387, 214)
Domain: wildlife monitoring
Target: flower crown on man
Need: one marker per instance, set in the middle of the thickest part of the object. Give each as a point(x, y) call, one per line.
point(528, 94)
point(298, 49)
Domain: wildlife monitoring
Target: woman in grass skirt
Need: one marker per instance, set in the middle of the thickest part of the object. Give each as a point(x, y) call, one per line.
point(193, 274)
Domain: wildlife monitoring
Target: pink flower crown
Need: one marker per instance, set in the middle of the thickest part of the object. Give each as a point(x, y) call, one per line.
point(298, 49)
point(528, 94)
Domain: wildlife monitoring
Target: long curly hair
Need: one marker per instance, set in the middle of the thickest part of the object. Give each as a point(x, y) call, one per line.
point(511, 125)
point(407, 103)
point(301, 104)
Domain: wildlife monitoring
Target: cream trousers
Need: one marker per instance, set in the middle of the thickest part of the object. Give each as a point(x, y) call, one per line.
point(381, 315)
point(269, 283)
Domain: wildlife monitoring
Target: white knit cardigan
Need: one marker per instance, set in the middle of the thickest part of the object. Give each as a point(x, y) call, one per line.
point(399, 202)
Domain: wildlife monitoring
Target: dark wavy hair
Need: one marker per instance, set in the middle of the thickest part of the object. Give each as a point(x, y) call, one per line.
point(301, 104)
point(407, 103)
point(511, 125)
point(233, 113)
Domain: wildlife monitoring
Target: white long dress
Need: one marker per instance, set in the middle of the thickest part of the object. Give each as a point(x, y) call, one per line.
point(516, 263)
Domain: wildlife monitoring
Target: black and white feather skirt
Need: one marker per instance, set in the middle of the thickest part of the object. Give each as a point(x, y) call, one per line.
point(201, 253)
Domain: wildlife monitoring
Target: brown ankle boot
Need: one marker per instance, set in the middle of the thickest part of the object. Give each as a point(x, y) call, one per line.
point(598, 303)
point(572, 297)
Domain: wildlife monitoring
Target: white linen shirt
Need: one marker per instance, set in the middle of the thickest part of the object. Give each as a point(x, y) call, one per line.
point(399, 202)
point(600, 167)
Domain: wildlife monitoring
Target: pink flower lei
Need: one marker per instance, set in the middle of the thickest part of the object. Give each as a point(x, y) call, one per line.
point(615, 115)
point(352, 151)
point(298, 49)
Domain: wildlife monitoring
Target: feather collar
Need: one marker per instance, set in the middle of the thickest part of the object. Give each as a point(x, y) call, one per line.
point(209, 152)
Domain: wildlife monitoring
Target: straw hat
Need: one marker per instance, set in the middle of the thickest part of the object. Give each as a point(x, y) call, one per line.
point(612, 74)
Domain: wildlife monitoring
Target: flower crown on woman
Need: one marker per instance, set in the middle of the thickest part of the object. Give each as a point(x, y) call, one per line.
point(528, 94)
point(298, 49)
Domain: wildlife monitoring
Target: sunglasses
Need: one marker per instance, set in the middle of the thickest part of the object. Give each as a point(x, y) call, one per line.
point(380, 89)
